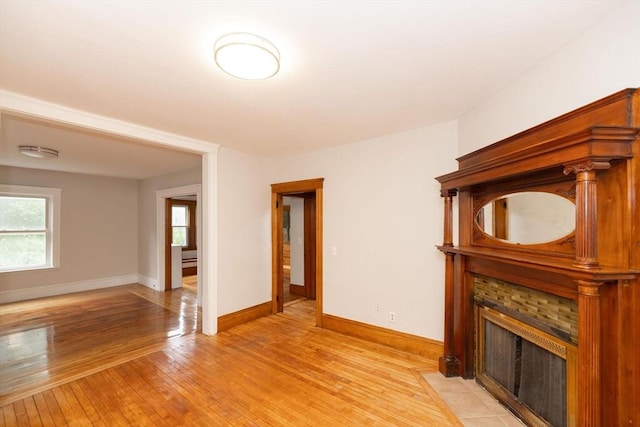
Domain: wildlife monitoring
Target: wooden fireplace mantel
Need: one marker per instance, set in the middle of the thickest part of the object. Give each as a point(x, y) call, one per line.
point(590, 156)
point(592, 148)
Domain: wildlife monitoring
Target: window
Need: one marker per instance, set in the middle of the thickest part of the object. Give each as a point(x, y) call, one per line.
point(29, 227)
point(180, 225)
point(183, 223)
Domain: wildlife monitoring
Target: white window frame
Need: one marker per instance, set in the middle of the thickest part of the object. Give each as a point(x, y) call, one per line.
point(53, 196)
point(186, 227)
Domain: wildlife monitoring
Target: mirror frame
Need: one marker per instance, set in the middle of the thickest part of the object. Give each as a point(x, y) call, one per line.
point(563, 246)
point(501, 230)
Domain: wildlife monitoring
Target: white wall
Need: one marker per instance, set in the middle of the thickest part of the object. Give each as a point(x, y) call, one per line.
point(147, 229)
point(297, 238)
point(99, 234)
point(383, 214)
point(244, 231)
point(382, 210)
point(602, 61)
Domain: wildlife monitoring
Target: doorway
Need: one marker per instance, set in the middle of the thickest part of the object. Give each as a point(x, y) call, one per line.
point(181, 242)
point(311, 192)
point(163, 220)
point(299, 251)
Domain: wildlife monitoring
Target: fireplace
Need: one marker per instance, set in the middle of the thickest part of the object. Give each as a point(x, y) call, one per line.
point(526, 352)
point(543, 320)
point(528, 370)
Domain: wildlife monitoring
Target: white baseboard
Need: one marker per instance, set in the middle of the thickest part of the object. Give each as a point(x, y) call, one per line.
point(65, 288)
point(148, 282)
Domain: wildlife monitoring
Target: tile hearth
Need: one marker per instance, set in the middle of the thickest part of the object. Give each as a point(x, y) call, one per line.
point(472, 404)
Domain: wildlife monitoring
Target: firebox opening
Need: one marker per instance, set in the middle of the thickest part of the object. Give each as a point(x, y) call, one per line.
point(528, 370)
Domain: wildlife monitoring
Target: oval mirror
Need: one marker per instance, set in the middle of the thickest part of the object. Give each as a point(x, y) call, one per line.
point(527, 217)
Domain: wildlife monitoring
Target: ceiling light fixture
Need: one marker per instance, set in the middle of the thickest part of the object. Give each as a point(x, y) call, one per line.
point(247, 56)
point(37, 152)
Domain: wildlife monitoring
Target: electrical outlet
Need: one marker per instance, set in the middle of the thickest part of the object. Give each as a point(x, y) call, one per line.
point(392, 317)
point(377, 308)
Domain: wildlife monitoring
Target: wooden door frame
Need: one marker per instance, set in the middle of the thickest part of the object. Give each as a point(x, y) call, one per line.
point(310, 245)
point(278, 191)
point(163, 222)
point(501, 219)
point(167, 244)
point(170, 202)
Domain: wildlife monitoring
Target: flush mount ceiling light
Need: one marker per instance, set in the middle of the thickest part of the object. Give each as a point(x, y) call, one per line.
point(37, 152)
point(247, 56)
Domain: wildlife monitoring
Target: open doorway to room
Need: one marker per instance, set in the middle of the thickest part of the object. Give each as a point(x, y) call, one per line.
point(301, 226)
point(187, 226)
point(298, 231)
point(181, 242)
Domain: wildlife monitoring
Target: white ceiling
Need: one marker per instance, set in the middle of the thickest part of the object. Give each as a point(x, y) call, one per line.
point(350, 70)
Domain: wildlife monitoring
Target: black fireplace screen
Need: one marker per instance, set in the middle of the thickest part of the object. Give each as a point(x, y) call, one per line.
point(533, 375)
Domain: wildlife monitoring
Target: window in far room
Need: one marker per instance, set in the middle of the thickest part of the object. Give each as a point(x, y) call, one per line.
point(29, 228)
point(183, 223)
point(180, 225)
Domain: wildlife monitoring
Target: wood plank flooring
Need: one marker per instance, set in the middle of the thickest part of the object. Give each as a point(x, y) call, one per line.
point(275, 371)
point(48, 341)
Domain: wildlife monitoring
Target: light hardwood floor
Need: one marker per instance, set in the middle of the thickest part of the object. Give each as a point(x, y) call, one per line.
point(277, 370)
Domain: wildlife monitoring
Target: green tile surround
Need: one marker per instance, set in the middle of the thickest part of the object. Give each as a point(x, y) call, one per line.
point(554, 311)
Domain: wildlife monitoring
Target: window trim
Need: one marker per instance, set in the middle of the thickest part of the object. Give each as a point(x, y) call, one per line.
point(187, 226)
point(192, 206)
point(53, 196)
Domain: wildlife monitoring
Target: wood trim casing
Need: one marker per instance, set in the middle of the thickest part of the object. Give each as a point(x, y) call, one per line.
point(293, 187)
point(618, 109)
point(319, 264)
point(597, 144)
point(192, 205)
point(167, 244)
point(399, 340)
point(297, 290)
point(310, 247)
point(590, 349)
point(276, 251)
point(278, 191)
point(248, 314)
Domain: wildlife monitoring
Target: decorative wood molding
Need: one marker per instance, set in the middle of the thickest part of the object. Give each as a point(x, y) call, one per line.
point(597, 265)
point(293, 187)
point(567, 194)
point(449, 364)
point(586, 243)
point(578, 168)
point(243, 316)
point(447, 239)
point(589, 354)
point(297, 290)
point(399, 340)
point(594, 146)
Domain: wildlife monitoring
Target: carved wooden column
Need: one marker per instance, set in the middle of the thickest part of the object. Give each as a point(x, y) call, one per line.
point(586, 212)
point(448, 195)
point(589, 354)
point(449, 365)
